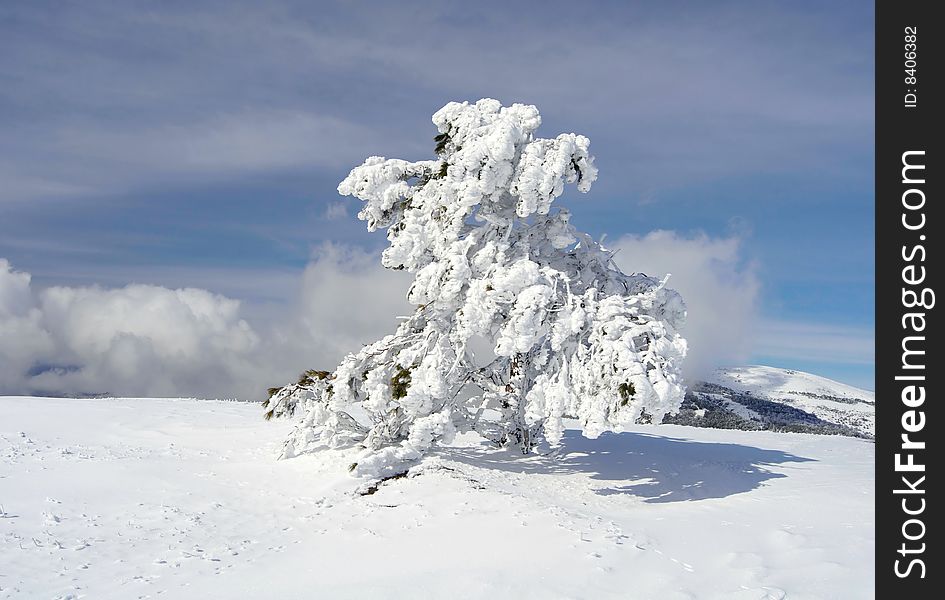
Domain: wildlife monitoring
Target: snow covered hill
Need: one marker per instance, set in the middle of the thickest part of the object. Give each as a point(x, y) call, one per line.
point(758, 397)
point(106, 498)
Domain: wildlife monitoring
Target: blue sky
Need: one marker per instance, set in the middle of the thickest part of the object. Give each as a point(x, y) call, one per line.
point(199, 144)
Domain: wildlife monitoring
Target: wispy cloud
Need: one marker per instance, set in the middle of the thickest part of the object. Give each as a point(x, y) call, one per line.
point(335, 211)
point(106, 98)
point(101, 159)
point(819, 342)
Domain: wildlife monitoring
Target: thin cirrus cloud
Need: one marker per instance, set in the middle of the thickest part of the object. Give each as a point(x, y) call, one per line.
point(817, 342)
point(93, 159)
point(109, 99)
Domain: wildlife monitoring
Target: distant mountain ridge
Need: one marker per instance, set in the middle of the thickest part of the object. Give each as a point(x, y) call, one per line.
point(760, 397)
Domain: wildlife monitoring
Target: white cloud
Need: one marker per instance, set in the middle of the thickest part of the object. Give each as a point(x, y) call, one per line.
point(150, 340)
point(21, 334)
point(14, 290)
point(721, 291)
point(146, 340)
point(154, 341)
point(135, 340)
point(336, 211)
point(345, 299)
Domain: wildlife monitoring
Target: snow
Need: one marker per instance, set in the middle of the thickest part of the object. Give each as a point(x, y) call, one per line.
point(569, 332)
point(740, 410)
point(149, 498)
point(830, 400)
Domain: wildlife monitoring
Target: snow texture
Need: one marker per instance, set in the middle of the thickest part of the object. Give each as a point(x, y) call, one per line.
point(157, 498)
point(828, 400)
point(563, 332)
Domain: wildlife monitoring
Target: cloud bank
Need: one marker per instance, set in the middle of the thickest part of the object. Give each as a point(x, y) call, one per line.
point(721, 292)
point(147, 340)
point(136, 340)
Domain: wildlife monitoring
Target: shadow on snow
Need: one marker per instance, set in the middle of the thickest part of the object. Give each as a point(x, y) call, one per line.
point(653, 467)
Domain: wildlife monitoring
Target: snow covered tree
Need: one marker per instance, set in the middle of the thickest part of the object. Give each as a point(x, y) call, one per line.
point(521, 320)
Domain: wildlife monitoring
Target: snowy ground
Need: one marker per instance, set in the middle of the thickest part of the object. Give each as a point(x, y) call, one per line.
point(183, 499)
